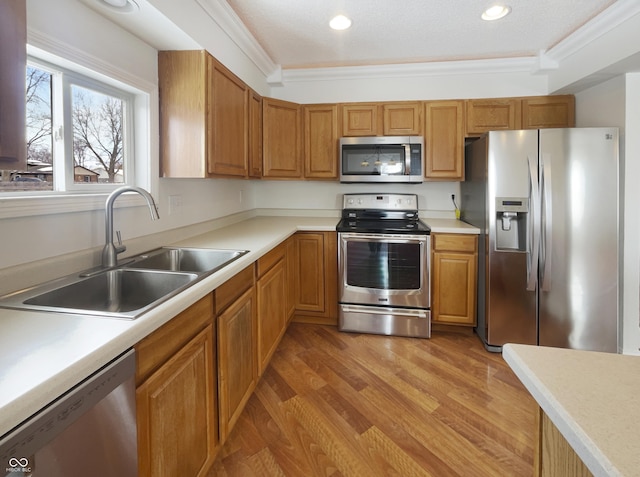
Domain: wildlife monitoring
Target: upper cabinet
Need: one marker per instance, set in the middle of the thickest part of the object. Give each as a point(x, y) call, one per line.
point(255, 135)
point(321, 129)
point(402, 119)
point(548, 112)
point(281, 138)
point(13, 60)
point(444, 140)
point(228, 147)
point(382, 119)
point(204, 117)
point(360, 119)
point(492, 114)
point(520, 113)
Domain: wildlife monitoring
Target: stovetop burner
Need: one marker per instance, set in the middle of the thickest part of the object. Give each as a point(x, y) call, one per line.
point(381, 213)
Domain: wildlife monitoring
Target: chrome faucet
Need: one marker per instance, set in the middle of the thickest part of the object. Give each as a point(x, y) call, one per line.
point(110, 251)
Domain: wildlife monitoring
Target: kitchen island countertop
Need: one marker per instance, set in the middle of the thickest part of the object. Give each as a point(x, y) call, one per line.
point(592, 398)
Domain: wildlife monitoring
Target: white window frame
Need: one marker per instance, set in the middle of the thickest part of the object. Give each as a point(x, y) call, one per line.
point(144, 108)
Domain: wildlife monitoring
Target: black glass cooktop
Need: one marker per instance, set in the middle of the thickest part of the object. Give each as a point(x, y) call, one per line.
point(383, 226)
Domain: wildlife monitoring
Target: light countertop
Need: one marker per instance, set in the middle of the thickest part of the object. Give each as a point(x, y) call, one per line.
point(592, 398)
point(42, 355)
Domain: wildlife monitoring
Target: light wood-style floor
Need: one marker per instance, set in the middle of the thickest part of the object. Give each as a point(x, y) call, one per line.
point(341, 404)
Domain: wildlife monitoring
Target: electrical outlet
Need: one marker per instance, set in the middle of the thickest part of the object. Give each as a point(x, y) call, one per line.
point(175, 204)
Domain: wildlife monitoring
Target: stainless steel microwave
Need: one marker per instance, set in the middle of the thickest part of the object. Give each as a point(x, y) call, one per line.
point(382, 159)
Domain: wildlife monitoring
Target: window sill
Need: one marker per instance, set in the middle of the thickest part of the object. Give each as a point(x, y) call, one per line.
point(63, 203)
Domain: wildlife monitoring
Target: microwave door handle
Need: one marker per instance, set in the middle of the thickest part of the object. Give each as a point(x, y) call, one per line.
point(407, 159)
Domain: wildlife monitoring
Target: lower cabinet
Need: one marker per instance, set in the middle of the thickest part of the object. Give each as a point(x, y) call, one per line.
point(176, 396)
point(553, 455)
point(237, 356)
point(454, 278)
point(316, 277)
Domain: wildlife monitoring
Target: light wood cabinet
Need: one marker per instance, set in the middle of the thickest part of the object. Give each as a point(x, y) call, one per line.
point(548, 112)
point(533, 112)
point(237, 356)
point(321, 141)
point(492, 114)
point(203, 117)
point(271, 292)
point(454, 278)
point(553, 455)
point(13, 60)
point(444, 140)
point(255, 135)
point(228, 122)
point(402, 119)
point(176, 397)
point(360, 119)
point(316, 277)
point(281, 139)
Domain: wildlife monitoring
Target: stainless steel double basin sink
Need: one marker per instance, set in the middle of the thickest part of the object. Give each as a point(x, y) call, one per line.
point(128, 290)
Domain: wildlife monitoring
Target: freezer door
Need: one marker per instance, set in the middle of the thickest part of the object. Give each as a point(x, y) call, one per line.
point(510, 306)
point(579, 238)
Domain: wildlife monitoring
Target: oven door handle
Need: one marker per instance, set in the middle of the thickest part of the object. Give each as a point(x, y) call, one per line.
point(383, 237)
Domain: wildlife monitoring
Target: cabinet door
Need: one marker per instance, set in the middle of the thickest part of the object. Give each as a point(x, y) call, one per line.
point(454, 279)
point(281, 137)
point(321, 141)
point(402, 119)
point(444, 140)
point(548, 112)
point(176, 413)
point(316, 279)
point(13, 59)
point(360, 119)
point(255, 134)
point(237, 359)
point(493, 114)
point(228, 122)
point(182, 84)
point(272, 310)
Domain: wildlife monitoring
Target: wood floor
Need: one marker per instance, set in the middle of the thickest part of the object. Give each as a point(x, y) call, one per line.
point(340, 404)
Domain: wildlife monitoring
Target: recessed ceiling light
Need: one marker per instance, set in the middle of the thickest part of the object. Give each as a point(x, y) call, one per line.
point(120, 6)
point(496, 12)
point(340, 22)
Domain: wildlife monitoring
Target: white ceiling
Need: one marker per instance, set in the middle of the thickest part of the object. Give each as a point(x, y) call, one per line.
point(296, 34)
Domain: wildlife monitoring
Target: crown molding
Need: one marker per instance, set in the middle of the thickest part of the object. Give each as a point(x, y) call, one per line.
point(502, 65)
point(618, 13)
point(224, 16)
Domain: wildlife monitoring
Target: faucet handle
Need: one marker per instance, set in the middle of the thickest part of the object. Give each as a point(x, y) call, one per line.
point(120, 248)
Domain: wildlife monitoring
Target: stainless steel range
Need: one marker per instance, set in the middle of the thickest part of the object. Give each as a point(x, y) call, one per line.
point(383, 262)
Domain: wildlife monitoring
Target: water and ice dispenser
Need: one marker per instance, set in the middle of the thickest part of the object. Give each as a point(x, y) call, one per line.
point(511, 223)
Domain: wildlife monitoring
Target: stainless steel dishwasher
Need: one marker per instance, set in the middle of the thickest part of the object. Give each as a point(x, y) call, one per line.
point(90, 430)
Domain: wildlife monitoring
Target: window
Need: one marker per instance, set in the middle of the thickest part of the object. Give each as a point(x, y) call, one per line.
point(79, 133)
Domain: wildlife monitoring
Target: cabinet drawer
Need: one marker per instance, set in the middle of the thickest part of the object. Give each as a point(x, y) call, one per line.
point(234, 287)
point(454, 242)
point(163, 343)
point(269, 259)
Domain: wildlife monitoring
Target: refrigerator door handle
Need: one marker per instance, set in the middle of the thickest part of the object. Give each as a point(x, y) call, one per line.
point(546, 255)
point(533, 225)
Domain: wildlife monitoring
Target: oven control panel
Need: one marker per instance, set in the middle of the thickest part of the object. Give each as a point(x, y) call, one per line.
point(380, 201)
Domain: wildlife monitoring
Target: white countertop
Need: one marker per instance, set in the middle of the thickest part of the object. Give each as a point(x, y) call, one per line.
point(450, 226)
point(592, 398)
point(42, 355)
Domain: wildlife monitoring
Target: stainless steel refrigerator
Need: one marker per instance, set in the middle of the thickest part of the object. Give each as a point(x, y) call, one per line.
point(547, 204)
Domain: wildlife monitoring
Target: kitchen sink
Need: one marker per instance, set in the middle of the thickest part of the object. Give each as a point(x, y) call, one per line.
point(118, 293)
point(127, 290)
point(181, 259)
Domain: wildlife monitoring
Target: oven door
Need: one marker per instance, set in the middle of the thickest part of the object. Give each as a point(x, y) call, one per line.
point(384, 269)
